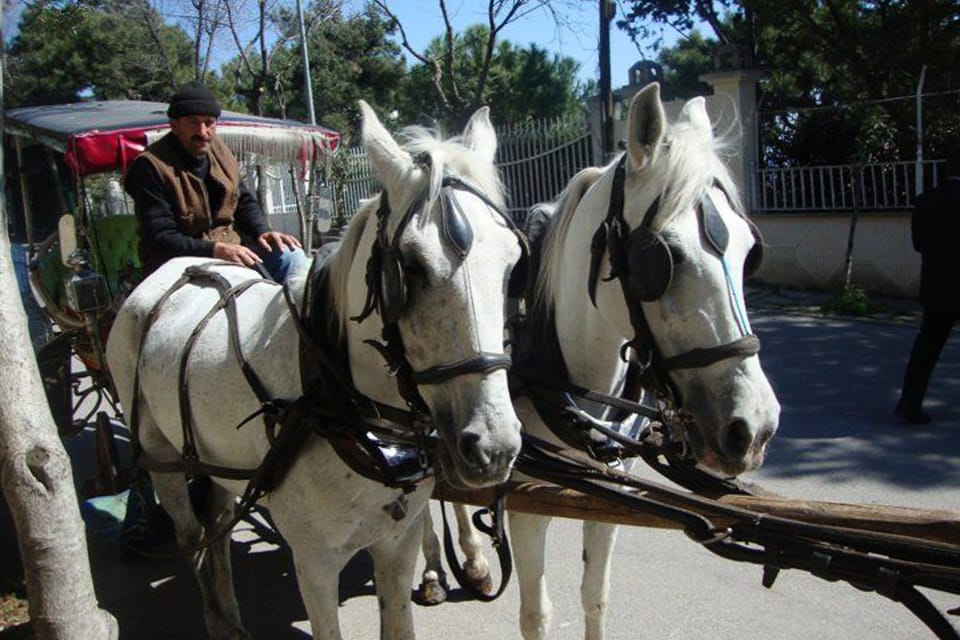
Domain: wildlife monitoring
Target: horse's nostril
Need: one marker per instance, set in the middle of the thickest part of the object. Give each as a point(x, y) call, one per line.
point(765, 437)
point(470, 450)
point(738, 438)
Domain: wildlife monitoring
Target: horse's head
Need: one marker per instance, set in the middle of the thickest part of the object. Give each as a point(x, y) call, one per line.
point(442, 254)
point(682, 258)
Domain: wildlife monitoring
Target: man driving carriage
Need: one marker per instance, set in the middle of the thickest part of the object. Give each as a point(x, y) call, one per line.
point(190, 199)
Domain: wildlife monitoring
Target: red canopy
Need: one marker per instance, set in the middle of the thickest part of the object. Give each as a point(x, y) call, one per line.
point(106, 136)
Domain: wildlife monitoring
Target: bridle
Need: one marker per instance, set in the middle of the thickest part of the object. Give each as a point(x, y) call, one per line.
point(641, 260)
point(387, 288)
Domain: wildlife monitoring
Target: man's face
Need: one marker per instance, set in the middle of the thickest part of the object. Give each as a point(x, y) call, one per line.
point(195, 132)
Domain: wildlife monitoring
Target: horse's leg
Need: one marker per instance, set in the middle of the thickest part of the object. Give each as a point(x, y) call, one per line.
point(433, 589)
point(394, 562)
point(314, 541)
point(475, 564)
point(529, 535)
point(598, 541)
point(433, 584)
point(211, 566)
point(318, 577)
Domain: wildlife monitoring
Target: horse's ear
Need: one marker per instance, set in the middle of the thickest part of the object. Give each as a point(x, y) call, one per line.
point(646, 124)
point(480, 135)
point(390, 160)
point(695, 112)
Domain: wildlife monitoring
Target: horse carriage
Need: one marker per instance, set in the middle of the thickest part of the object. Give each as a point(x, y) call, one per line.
point(629, 338)
point(77, 236)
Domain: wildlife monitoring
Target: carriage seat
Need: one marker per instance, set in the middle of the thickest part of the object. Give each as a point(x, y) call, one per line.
point(116, 239)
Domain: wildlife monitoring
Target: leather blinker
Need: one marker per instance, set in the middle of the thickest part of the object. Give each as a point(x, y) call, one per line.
point(649, 264)
point(453, 221)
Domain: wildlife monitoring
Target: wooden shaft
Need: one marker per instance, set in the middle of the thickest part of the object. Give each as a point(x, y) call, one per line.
point(551, 500)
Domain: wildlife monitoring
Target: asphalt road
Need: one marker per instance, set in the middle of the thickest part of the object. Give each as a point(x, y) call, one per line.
point(837, 381)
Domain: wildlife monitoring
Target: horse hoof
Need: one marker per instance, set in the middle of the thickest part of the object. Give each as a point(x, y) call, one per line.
point(482, 584)
point(430, 593)
point(478, 577)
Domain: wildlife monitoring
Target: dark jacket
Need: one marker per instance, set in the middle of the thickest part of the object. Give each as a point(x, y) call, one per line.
point(936, 235)
point(185, 204)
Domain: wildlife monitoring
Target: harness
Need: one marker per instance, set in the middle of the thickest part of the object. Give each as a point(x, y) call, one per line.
point(389, 445)
point(641, 260)
point(274, 411)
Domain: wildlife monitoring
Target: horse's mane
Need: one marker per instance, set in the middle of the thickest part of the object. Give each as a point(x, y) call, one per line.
point(687, 168)
point(550, 258)
point(440, 157)
point(683, 167)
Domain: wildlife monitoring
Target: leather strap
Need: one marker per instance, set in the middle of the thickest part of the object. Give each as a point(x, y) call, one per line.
point(498, 537)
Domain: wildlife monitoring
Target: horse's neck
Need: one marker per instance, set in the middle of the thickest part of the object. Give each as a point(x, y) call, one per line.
point(590, 336)
point(365, 366)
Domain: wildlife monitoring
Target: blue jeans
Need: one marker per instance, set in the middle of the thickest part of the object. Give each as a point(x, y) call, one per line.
point(281, 264)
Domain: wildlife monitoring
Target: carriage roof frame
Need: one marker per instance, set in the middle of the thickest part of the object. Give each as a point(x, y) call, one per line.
point(100, 136)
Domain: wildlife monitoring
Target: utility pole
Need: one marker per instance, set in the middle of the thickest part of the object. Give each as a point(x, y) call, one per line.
point(307, 84)
point(608, 10)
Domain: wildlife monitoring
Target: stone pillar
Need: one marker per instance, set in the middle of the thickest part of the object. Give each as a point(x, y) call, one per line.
point(733, 109)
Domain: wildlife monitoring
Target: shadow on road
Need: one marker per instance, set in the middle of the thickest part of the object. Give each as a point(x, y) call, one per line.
point(838, 381)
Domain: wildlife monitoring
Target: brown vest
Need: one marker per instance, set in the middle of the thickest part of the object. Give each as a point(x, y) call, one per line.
point(190, 202)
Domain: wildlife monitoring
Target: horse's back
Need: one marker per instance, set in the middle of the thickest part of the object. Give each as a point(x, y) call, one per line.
point(190, 343)
point(123, 343)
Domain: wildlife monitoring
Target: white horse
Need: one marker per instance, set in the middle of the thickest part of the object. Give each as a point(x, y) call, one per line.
point(685, 281)
point(446, 253)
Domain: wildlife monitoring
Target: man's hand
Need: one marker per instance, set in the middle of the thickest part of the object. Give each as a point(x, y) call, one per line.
point(276, 240)
point(235, 253)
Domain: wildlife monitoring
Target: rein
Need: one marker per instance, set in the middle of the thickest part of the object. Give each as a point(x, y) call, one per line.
point(890, 565)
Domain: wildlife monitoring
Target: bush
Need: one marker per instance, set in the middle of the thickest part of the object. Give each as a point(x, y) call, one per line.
point(851, 301)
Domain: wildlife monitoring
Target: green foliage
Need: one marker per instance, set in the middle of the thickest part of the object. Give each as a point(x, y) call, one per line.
point(520, 84)
point(351, 57)
point(852, 300)
point(684, 64)
point(820, 58)
point(66, 50)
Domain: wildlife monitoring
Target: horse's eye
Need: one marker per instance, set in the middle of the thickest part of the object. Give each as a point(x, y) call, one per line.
point(677, 256)
point(413, 268)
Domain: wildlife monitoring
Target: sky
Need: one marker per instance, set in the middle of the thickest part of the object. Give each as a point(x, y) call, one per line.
point(423, 21)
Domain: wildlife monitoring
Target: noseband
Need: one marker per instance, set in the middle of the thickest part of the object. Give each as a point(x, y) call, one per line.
point(642, 262)
point(387, 290)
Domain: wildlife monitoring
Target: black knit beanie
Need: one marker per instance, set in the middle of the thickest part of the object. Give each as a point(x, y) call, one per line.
point(193, 98)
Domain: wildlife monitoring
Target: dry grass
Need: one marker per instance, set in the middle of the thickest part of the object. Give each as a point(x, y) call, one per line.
point(14, 621)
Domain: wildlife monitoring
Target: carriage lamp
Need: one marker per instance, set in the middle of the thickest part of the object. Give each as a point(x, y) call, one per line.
point(87, 292)
point(86, 289)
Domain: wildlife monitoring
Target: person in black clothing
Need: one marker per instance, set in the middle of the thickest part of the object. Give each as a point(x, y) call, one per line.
point(936, 231)
point(190, 199)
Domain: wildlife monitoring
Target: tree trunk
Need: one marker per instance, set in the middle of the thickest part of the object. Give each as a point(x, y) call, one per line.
point(38, 486)
point(37, 479)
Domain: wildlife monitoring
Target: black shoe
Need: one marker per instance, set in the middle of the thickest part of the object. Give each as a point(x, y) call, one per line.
point(911, 415)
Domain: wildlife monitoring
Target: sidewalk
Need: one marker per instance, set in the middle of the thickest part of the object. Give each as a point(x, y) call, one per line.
point(764, 297)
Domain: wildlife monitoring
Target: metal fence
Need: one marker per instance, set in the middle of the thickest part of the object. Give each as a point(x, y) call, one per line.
point(536, 160)
point(887, 186)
